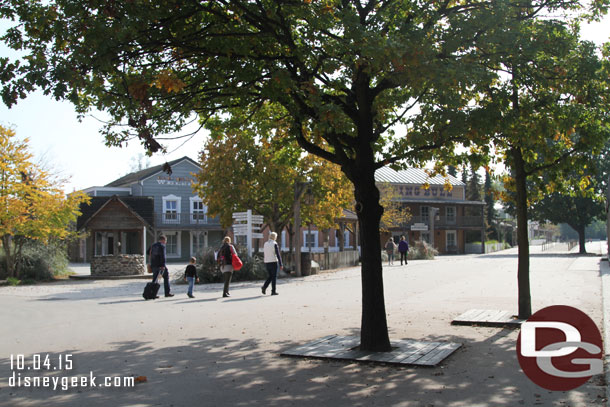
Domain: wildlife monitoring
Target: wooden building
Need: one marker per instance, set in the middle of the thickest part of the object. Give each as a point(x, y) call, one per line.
point(440, 212)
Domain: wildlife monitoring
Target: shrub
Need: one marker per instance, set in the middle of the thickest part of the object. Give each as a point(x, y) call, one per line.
point(40, 261)
point(421, 250)
point(209, 272)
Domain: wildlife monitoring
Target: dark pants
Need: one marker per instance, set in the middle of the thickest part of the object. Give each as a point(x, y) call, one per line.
point(226, 277)
point(403, 255)
point(165, 274)
point(272, 270)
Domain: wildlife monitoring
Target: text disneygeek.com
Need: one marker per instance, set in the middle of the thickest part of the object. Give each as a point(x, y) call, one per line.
point(28, 371)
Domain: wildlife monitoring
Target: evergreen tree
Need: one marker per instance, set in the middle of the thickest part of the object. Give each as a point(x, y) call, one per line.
point(490, 215)
point(473, 186)
point(464, 175)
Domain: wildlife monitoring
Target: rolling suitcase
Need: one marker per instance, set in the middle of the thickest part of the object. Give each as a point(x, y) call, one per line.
point(150, 291)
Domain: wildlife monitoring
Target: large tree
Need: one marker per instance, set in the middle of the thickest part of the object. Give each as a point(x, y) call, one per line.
point(344, 71)
point(256, 167)
point(577, 211)
point(544, 116)
point(577, 206)
point(33, 205)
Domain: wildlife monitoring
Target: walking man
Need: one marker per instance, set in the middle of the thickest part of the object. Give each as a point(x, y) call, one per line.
point(157, 263)
point(403, 249)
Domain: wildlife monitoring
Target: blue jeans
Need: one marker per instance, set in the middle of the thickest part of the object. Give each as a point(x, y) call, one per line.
point(272, 270)
point(191, 281)
point(163, 271)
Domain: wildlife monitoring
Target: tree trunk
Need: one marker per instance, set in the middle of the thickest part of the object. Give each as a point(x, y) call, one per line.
point(374, 329)
point(8, 258)
point(523, 268)
point(580, 229)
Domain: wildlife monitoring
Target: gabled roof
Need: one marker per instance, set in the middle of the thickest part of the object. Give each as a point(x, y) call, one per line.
point(142, 207)
point(146, 173)
point(413, 176)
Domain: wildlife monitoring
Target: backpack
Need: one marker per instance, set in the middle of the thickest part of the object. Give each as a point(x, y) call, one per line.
point(225, 256)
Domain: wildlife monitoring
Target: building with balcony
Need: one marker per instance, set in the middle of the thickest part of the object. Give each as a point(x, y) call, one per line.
point(127, 215)
point(440, 213)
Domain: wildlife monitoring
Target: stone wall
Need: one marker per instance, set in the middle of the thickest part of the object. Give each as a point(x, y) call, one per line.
point(120, 265)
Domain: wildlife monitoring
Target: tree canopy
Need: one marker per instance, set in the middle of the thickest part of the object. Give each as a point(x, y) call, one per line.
point(32, 202)
point(256, 166)
point(344, 73)
point(580, 202)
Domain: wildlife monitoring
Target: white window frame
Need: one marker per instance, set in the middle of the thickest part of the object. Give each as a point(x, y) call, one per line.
point(204, 210)
point(425, 218)
point(447, 233)
point(346, 243)
point(178, 235)
point(284, 240)
point(203, 235)
point(175, 217)
point(451, 220)
point(314, 233)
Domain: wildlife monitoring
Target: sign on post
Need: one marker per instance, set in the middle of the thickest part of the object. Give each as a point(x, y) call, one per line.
point(419, 226)
point(249, 225)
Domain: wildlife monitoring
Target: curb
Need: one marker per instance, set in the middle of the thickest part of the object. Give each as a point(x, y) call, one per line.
point(90, 277)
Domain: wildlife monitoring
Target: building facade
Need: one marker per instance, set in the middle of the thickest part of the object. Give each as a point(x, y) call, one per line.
point(440, 213)
point(163, 203)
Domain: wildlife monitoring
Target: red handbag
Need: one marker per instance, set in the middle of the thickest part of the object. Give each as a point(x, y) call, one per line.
point(236, 262)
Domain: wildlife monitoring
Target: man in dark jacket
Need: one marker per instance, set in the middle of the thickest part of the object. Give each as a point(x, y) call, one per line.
point(403, 249)
point(157, 263)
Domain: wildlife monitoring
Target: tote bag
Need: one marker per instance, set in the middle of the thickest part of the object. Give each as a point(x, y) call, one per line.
point(236, 262)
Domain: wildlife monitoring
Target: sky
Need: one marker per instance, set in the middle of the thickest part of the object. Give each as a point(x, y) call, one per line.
point(76, 151)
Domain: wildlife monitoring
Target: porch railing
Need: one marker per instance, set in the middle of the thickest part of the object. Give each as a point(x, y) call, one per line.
point(185, 219)
point(447, 221)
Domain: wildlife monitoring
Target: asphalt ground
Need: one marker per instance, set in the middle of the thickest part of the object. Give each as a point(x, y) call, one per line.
point(214, 351)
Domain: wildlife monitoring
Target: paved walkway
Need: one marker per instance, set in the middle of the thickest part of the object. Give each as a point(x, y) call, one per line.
point(225, 351)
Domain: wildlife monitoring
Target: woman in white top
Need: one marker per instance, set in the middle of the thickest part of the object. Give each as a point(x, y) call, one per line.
point(272, 259)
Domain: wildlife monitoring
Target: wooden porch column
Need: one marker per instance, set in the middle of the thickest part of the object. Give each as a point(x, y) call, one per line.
point(143, 240)
point(115, 242)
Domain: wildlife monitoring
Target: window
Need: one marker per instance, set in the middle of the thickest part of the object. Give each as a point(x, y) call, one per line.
point(310, 239)
point(451, 241)
point(172, 245)
point(425, 213)
point(104, 243)
point(346, 234)
point(171, 209)
point(198, 242)
point(450, 211)
point(198, 210)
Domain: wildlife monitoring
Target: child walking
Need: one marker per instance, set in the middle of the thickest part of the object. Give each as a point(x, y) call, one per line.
point(190, 275)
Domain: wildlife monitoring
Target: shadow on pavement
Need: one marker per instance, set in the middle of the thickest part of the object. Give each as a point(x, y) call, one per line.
point(226, 371)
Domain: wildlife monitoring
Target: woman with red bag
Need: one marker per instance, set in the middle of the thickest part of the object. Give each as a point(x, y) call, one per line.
point(225, 259)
